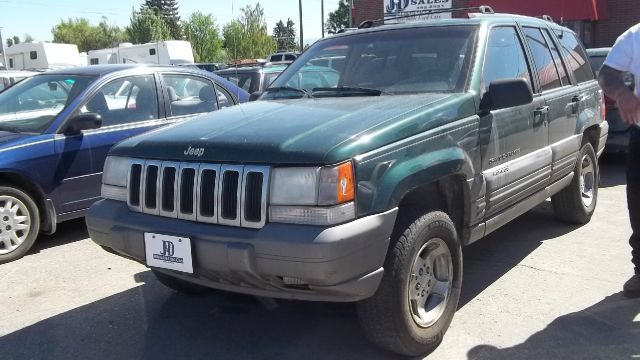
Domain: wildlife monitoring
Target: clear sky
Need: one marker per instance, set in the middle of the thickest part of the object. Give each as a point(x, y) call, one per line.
point(37, 17)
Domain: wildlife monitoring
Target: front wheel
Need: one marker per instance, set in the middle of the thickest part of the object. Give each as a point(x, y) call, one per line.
point(19, 223)
point(577, 202)
point(419, 292)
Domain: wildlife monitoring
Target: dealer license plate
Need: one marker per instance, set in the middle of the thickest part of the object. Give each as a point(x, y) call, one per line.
point(168, 252)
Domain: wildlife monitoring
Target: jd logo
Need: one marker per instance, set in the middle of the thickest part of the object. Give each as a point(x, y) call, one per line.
point(167, 248)
point(397, 5)
point(194, 151)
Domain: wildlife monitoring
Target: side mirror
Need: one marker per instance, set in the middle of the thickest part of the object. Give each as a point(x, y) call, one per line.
point(86, 121)
point(506, 93)
point(255, 95)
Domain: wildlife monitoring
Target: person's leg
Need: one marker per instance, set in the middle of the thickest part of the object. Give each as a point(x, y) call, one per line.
point(632, 287)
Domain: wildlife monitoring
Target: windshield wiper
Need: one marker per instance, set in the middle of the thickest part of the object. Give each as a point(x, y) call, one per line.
point(289, 88)
point(349, 90)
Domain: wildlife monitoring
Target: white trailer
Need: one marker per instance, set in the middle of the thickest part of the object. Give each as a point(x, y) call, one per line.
point(42, 55)
point(170, 52)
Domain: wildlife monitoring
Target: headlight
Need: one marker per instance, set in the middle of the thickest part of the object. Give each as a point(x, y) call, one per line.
point(312, 195)
point(114, 178)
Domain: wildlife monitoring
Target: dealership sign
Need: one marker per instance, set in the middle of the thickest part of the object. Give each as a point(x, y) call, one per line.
point(393, 8)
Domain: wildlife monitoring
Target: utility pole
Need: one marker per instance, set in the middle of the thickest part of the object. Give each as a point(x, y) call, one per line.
point(350, 13)
point(301, 32)
point(4, 55)
point(322, 16)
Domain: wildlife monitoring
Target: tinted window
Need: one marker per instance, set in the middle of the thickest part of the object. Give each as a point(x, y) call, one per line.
point(32, 104)
point(152, 51)
point(545, 67)
point(246, 81)
point(557, 58)
point(576, 57)
point(33, 55)
point(224, 98)
point(289, 57)
point(416, 60)
point(125, 100)
point(189, 95)
point(596, 62)
point(94, 61)
point(504, 57)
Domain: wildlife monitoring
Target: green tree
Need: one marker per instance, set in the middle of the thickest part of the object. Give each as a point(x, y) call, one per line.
point(247, 37)
point(14, 40)
point(147, 26)
point(338, 19)
point(204, 35)
point(88, 37)
point(28, 38)
point(285, 35)
point(168, 10)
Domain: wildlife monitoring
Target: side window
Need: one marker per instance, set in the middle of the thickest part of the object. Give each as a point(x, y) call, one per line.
point(557, 58)
point(33, 55)
point(224, 97)
point(504, 57)
point(576, 56)
point(125, 100)
point(94, 61)
point(152, 52)
point(545, 67)
point(289, 57)
point(11, 63)
point(189, 95)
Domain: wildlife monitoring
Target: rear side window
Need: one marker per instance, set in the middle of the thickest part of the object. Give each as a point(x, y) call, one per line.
point(189, 95)
point(576, 56)
point(505, 57)
point(289, 57)
point(557, 58)
point(545, 66)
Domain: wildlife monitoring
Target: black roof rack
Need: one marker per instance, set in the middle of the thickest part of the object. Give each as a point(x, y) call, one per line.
point(484, 9)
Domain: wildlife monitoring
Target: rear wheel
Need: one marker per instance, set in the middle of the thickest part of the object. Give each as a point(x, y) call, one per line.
point(19, 223)
point(577, 202)
point(180, 285)
point(417, 298)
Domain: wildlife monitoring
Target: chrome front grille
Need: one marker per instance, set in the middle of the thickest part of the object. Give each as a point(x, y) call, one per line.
point(232, 195)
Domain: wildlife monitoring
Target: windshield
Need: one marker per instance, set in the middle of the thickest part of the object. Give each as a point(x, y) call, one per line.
point(33, 104)
point(410, 60)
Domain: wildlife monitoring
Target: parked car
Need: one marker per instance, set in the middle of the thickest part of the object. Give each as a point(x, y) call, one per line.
point(57, 127)
point(286, 57)
point(10, 77)
point(254, 78)
point(365, 189)
point(618, 140)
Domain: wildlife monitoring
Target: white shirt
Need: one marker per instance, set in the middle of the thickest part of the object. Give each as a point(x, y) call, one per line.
point(625, 54)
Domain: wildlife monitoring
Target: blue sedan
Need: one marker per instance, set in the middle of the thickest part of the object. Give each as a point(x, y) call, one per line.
point(57, 127)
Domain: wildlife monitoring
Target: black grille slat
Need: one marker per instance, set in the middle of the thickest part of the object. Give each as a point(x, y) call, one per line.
point(168, 189)
point(253, 197)
point(151, 187)
point(208, 193)
point(186, 190)
point(134, 184)
point(229, 198)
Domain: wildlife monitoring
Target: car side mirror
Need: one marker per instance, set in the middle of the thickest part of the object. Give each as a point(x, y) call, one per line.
point(506, 93)
point(85, 121)
point(255, 95)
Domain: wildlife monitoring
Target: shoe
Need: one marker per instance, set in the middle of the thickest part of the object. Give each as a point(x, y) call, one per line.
point(632, 287)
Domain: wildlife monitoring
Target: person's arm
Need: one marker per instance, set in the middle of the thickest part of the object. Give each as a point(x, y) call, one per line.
point(612, 82)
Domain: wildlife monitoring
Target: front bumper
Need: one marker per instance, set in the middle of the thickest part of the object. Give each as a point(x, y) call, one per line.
point(339, 263)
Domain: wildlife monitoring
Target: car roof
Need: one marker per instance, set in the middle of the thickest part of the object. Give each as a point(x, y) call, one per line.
point(473, 19)
point(99, 70)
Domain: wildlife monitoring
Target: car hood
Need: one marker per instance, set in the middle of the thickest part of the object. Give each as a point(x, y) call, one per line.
point(309, 131)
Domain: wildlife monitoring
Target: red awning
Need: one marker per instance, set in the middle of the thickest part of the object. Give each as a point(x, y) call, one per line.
point(559, 10)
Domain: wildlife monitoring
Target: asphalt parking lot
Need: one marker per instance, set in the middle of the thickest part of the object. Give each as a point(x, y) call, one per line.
point(535, 289)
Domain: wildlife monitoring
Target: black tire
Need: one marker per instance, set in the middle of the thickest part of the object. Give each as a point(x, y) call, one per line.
point(570, 205)
point(387, 316)
point(180, 285)
point(27, 208)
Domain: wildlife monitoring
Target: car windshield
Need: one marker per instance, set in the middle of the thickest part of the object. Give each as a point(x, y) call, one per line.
point(399, 61)
point(33, 104)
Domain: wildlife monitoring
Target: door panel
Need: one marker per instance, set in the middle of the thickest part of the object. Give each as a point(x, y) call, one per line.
point(73, 173)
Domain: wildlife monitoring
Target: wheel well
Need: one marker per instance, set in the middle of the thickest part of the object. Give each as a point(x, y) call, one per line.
point(446, 194)
point(24, 184)
point(592, 136)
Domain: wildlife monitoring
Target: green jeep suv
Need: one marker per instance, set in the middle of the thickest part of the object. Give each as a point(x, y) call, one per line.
point(364, 186)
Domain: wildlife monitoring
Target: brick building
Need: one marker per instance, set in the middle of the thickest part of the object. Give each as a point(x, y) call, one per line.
point(598, 22)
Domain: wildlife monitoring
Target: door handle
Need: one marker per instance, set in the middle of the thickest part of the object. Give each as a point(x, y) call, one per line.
point(540, 115)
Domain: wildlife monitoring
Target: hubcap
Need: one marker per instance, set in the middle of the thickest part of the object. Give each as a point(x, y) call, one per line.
point(15, 223)
point(587, 181)
point(431, 282)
